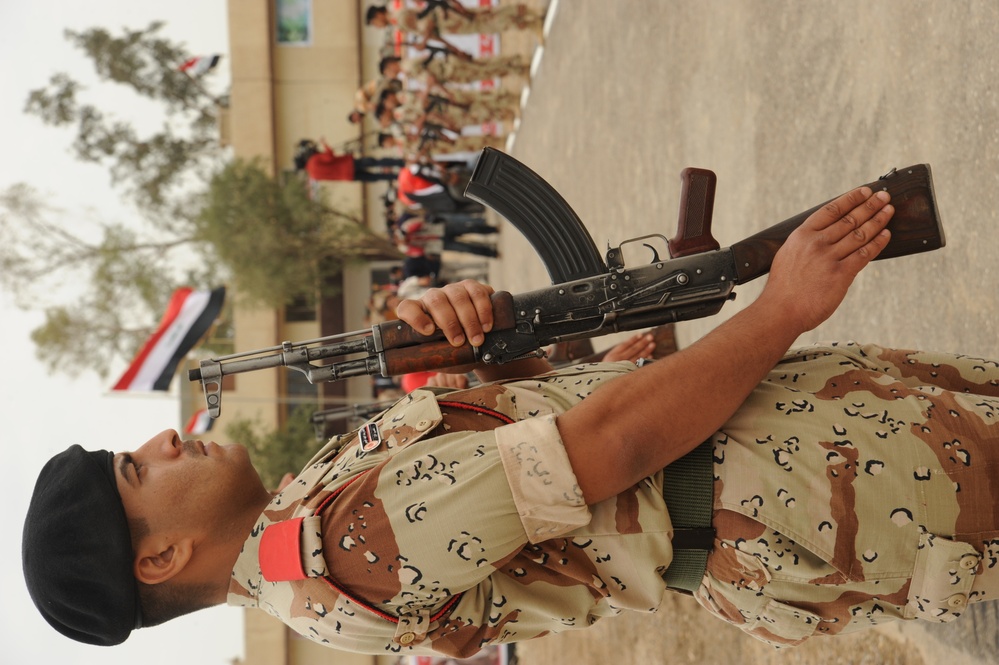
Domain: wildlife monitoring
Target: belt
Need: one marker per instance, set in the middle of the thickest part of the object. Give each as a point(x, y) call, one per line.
point(688, 488)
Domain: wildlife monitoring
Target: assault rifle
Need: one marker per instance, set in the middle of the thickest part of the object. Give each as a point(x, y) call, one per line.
point(588, 298)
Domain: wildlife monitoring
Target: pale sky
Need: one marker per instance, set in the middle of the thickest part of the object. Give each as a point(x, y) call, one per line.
point(44, 414)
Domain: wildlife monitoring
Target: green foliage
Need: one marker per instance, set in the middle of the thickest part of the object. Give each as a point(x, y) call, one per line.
point(102, 286)
point(151, 168)
point(279, 243)
point(277, 452)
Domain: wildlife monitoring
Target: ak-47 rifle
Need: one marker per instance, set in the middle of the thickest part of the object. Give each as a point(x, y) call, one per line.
point(587, 298)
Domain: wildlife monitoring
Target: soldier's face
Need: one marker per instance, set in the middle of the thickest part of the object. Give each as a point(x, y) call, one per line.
point(187, 486)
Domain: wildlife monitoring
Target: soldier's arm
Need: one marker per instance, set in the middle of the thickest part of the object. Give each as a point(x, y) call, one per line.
point(643, 421)
point(463, 310)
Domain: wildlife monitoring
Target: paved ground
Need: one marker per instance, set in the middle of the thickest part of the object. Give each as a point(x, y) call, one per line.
point(790, 102)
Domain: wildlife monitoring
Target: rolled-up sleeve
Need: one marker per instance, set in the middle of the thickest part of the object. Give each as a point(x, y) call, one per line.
point(542, 482)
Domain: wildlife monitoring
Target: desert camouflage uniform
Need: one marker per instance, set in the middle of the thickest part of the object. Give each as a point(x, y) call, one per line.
point(456, 70)
point(412, 110)
point(857, 485)
point(411, 144)
point(443, 539)
point(469, 107)
point(839, 493)
point(497, 98)
point(486, 20)
point(474, 107)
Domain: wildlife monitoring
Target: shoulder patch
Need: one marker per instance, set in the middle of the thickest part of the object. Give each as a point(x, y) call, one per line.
point(280, 551)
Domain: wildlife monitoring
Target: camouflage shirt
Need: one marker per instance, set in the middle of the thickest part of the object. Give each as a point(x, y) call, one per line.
point(854, 486)
point(418, 534)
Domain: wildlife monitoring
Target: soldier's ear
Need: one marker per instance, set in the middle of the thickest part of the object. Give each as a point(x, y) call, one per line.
point(159, 564)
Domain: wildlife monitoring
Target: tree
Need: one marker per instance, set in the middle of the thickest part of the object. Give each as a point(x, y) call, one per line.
point(102, 287)
point(278, 241)
point(270, 239)
point(111, 280)
point(151, 168)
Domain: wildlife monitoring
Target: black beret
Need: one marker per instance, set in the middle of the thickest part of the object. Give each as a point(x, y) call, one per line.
point(76, 551)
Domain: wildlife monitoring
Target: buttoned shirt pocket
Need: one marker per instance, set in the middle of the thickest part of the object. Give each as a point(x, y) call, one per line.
point(783, 625)
point(942, 579)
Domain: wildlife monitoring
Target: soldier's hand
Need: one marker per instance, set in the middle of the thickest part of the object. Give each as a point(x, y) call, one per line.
point(445, 380)
point(817, 264)
point(635, 347)
point(462, 311)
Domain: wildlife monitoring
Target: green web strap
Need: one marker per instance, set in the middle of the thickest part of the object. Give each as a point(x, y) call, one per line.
point(688, 491)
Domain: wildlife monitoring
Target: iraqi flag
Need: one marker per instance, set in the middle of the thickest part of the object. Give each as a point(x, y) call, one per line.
point(189, 316)
point(201, 65)
point(199, 423)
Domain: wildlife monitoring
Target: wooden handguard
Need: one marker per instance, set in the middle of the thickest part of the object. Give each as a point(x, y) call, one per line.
point(915, 227)
point(408, 351)
point(697, 201)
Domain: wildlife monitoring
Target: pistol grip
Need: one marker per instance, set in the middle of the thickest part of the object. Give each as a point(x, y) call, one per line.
point(697, 200)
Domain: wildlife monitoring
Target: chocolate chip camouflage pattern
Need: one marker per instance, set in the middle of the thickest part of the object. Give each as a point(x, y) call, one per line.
point(857, 485)
point(443, 539)
point(455, 70)
point(484, 20)
point(475, 107)
point(464, 143)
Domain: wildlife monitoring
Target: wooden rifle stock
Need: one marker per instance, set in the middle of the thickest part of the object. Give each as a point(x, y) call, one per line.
point(915, 227)
point(408, 351)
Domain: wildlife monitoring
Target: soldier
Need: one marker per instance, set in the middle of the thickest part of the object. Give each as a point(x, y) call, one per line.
point(441, 108)
point(451, 107)
point(321, 162)
point(368, 95)
point(474, 107)
point(457, 19)
point(455, 66)
point(432, 235)
point(412, 110)
point(478, 106)
point(846, 485)
point(439, 143)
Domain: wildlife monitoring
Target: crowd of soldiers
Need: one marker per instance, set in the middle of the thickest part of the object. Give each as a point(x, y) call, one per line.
point(432, 108)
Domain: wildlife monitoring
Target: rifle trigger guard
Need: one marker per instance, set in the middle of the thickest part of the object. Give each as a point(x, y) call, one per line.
point(615, 255)
point(503, 346)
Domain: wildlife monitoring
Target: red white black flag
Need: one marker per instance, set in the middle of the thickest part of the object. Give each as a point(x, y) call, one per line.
point(189, 316)
point(201, 65)
point(199, 423)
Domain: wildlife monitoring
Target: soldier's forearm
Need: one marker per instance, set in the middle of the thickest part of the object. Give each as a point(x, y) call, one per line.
point(639, 423)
